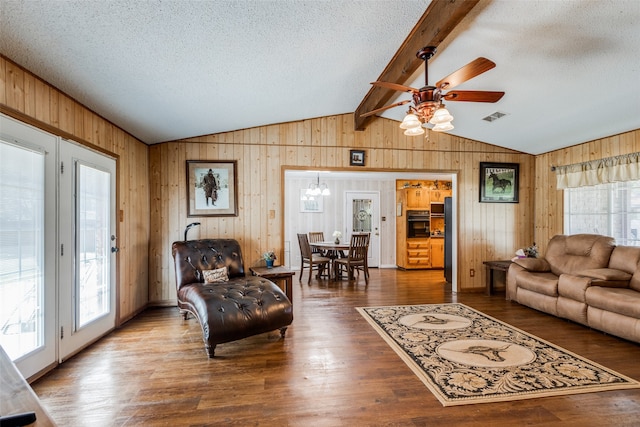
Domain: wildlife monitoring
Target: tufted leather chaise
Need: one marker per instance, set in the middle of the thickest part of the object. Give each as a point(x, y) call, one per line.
point(227, 311)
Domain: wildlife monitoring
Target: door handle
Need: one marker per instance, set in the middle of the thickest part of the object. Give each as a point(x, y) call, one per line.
point(115, 249)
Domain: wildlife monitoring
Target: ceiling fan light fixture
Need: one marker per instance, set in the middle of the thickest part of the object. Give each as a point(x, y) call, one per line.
point(441, 116)
point(410, 121)
point(442, 127)
point(414, 131)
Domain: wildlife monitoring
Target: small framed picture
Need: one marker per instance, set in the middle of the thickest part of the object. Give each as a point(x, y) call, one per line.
point(499, 182)
point(212, 188)
point(309, 203)
point(357, 158)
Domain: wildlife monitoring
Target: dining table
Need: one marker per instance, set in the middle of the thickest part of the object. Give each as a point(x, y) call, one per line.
point(333, 250)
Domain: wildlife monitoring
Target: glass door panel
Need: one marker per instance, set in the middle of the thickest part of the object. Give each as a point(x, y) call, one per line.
point(21, 250)
point(362, 214)
point(92, 288)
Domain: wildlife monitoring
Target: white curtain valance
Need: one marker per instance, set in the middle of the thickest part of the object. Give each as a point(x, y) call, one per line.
point(612, 169)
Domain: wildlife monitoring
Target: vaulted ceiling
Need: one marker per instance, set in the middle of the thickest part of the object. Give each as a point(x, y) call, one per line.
point(165, 70)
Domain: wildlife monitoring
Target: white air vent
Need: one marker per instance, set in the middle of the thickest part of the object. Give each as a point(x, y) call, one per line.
point(495, 116)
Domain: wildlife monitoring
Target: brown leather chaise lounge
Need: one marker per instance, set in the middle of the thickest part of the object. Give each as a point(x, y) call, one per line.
point(233, 306)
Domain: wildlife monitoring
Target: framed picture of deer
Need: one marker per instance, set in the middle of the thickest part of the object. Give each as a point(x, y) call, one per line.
point(499, 182)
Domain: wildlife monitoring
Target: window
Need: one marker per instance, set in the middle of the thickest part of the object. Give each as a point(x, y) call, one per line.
point(609, 209)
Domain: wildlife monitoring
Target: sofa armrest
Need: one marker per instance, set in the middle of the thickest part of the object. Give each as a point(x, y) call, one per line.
point(574, 287)
point(533, 264)
point(607, 277)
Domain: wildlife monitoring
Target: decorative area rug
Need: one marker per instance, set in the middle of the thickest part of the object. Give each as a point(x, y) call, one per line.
point(464, 356)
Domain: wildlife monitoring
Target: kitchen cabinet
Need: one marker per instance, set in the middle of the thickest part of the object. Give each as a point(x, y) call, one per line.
point(418, 253)
point(439, 195)
point(417, 198)
point(424, 249)
point(437, 252)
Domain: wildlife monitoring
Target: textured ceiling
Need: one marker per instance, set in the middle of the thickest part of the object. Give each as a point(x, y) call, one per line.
point(165, 70)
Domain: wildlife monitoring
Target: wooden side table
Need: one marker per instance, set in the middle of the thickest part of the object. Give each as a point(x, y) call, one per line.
point(491, 267)
point(278, 273)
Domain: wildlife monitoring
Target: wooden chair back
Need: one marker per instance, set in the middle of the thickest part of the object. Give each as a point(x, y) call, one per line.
point(316, 236)
point(305, 248)
point(359, 247)
point(357, 258)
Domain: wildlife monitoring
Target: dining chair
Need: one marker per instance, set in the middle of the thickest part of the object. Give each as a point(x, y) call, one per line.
point(313, 261)
point(317, 236)
point(356, 260)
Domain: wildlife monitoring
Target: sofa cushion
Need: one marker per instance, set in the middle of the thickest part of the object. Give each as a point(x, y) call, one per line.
point(533, 264)
point(607, 277)
point(542, 283)
point(627, 258)
point(616, 300)
point(571, 254)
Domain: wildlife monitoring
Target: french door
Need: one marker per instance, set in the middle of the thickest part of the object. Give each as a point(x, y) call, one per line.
point(87, 234)
point(57, 275)
point(27, 245)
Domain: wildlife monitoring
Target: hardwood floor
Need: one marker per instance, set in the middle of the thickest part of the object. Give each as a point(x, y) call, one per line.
point(332, 369)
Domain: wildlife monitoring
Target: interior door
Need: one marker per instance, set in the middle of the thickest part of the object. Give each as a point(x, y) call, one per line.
point(87, 235)
point(362, 214)
point(27, 245)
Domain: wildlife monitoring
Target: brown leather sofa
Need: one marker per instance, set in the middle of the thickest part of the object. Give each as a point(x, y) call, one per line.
point(235, 305)
point(585, 278)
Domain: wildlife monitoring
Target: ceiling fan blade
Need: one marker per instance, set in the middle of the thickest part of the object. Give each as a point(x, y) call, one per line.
point(372, 112)
point(469, 71)
point(394, 86)
point(473, 96)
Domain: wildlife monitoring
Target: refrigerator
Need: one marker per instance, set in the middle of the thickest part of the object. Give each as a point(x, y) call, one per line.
point(448, 243)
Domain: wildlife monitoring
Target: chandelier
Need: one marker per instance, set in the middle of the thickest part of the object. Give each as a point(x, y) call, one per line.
point(316, 189)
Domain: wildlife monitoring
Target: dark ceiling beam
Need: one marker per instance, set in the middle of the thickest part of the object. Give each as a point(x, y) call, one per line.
point(437, 22)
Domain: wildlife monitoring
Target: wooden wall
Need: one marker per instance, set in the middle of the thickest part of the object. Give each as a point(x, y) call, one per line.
point(550, 200)
point(485, 230)
point(33, 101)
point(152, 190)
point(152, 193)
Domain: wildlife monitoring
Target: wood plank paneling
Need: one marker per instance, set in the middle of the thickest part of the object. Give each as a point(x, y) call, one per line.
point(324, 143)
point(152, 190)
point(30, 99)
point(549, 200)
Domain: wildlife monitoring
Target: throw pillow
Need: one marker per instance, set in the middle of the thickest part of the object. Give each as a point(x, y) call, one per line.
point(215, 276)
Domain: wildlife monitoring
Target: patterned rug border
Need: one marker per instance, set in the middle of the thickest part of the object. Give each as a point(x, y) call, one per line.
point(629, 383)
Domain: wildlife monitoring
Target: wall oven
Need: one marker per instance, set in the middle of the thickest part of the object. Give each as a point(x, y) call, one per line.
point(418, 224)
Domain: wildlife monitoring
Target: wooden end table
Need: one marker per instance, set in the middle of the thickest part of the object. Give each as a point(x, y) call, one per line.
point(491, 267)
point(277, 274)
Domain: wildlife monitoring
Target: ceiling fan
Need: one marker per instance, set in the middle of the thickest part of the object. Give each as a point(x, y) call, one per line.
point(427, 101)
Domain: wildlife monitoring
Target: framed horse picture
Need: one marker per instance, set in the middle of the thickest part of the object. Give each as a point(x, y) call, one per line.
point(499, 182)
